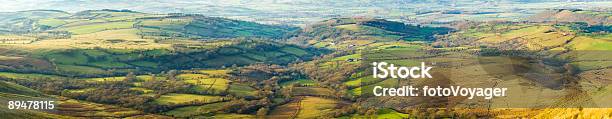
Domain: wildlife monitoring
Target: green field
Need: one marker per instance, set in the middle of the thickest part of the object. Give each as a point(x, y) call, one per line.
point(51, 22)
point(311, 91)
point(367, 89)
point(27, 76)
point(80, 70)
point(305, 82)
point(8, 87)
point(207, 84)
point(362, 80)
point(241, 90)
point(91, 28)
point(191, 111)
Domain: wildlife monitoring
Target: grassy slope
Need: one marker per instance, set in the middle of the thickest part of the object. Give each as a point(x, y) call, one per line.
point(8, 87)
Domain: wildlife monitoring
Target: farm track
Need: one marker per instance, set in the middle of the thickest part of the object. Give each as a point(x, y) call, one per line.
point(289, 110)
point(211, 85)
point(299, 107)
point(566, 50)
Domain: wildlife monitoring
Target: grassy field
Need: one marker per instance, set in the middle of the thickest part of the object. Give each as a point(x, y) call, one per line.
point(27, 76)
point(91, 28)
point(586, 113)
point(286, 111)
point(67, 108)
point(92, 110)
point(206, 84)
point(312, 91)
point(305, 82)
point(51, 22)
point(80, 70)
point(121, 78)
point(516, 34)
point(294, 51)
point(382, 114)
point(15, 39)
point(190, 77)
point(233, 116)
point(346, 57)
point(366, 90)
point(351, 27)
point(220, 72)
point(312, 107)
point(241, 90)
point(9, 87)
point(173, 98)
point(589, 53)
point(590, 44)
point(360, 81)
point(192, 111)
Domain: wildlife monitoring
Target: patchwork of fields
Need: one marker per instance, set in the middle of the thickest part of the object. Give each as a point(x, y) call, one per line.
point(127, 64)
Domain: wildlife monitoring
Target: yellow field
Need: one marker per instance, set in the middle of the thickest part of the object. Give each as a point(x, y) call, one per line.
point(86, 109)
point(351, 27)
point(15, 39)
point(204, 82)
point(584, 113)
point(285, 111)
point(105, 79)
point(516, 34)
point(233, 116)
point(214, 72)
point(175, 98)
point(121, 78)
point(9, 58)
point(591, 44)
point(312, 107)
point(111, 39)
point(191, 76)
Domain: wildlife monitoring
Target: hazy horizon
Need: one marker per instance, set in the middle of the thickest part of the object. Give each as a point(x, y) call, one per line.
point(297, 12)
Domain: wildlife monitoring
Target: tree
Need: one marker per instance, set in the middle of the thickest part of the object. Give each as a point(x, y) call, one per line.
point(153, 77)
point(171, 75)
point(262, 112)
point(371, 112)
point(130, 77)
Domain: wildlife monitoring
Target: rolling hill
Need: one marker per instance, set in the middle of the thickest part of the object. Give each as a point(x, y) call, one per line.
point(94, 42)
point(341, 33)
point(573, 15)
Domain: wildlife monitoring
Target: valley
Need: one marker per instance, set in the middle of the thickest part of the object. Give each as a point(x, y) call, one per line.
point(129, 64)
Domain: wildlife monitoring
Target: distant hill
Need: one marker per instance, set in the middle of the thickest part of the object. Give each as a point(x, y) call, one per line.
point(373, 27)
point(186, 55)
point(576, 15)
point(23, 21)
point(361, 31)
point(198, 26)
point(155, 25)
